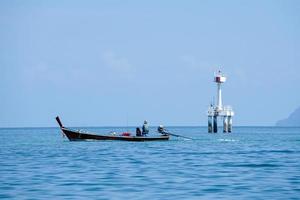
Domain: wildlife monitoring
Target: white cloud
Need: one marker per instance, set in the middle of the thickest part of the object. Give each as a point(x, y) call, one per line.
point(192, 62)
point(118, 65)
point(42, 74)
point(189, 60)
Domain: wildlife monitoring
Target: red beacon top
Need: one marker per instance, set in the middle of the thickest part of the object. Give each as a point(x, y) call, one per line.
point(219, 77)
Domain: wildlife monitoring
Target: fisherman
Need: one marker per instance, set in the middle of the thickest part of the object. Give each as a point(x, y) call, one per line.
point(138, 132)
point(145, 129)
point(161, 129)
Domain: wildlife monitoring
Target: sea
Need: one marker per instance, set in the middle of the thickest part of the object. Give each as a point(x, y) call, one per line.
point(249, 163)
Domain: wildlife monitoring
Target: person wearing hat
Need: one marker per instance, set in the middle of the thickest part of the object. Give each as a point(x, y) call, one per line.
point(145, 128)
point(160, 129)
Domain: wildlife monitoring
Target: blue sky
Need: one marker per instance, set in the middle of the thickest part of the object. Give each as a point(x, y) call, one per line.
point(107, 63)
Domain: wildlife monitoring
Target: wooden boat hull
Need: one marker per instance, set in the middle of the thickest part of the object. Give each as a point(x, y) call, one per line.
point(73, 135)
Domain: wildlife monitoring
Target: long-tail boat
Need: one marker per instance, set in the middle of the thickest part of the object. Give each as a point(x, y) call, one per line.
point(76, 135)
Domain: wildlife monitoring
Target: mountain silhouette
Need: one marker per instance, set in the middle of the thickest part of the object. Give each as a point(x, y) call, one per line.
point(292, 120)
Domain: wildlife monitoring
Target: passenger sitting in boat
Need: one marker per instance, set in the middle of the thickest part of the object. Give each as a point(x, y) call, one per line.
point(161, 130)
point(138, 132)
point(145, 128)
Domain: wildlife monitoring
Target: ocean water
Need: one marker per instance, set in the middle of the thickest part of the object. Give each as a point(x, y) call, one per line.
point(250, 163)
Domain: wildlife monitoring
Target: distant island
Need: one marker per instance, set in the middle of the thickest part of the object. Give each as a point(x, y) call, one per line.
point(292, 120)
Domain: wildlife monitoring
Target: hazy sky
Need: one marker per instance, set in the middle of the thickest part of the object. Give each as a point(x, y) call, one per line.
point(105, 63)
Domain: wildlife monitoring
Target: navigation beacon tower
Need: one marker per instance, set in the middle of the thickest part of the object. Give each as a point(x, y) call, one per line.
point(215, 111)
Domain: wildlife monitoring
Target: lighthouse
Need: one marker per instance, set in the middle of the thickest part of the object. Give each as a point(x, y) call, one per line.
point(224, 112)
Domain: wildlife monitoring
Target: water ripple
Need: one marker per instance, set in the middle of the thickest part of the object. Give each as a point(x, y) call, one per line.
point(251, 163)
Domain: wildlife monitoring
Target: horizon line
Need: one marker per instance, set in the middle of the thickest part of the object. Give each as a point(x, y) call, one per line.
point(131, 126)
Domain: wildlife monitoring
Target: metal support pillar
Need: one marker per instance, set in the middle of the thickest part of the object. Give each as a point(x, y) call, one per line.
point(215, 124)
point(229, 124)
point(225, 124)
point(210, 125)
